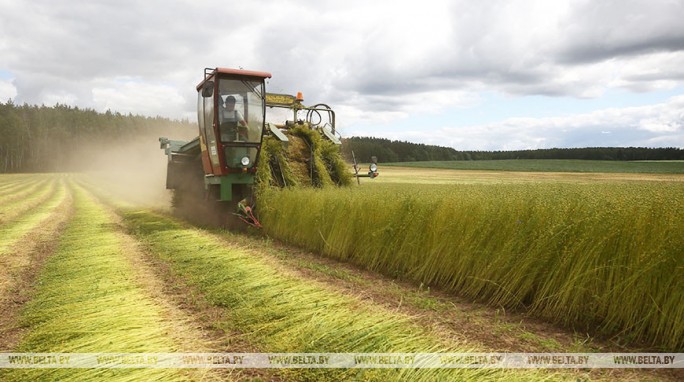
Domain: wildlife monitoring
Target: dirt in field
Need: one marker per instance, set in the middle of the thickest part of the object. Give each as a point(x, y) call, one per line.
point(204, 319)
point(20, 269)
point(195, 323)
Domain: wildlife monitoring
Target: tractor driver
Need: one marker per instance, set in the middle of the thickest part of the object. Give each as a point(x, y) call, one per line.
point(233, 126)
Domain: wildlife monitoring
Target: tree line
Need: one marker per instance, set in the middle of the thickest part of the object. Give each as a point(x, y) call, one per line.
point(395, 151)
point(44, 139)
point(400, 151)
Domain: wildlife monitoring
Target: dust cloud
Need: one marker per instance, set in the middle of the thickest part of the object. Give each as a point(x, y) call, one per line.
point(130, 169)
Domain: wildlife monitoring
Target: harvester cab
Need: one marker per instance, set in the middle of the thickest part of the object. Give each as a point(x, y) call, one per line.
point(230, 113)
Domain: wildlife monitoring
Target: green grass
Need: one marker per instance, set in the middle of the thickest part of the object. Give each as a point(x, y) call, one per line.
point(87, 301)
point(603, 257)
point(278, 312)
point(548, 344)
point(553, 165)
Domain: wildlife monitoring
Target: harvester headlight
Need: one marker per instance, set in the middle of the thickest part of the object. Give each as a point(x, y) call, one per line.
point(245, 161)
point(373, 167)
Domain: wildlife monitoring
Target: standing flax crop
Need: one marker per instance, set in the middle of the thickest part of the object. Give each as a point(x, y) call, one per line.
point(603, 257)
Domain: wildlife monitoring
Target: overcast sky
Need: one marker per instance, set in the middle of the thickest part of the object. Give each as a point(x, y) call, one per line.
point(485, 75)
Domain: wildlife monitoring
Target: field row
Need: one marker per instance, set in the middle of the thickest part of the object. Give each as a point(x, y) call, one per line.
point(25, 213)
point(85, 296)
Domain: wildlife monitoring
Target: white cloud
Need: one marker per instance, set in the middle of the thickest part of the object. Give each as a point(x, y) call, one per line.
point(666, 118)
point(125, 95)
point(7, 91)
point(660, 125)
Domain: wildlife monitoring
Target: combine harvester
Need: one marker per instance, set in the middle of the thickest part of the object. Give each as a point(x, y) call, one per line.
point(216, 176)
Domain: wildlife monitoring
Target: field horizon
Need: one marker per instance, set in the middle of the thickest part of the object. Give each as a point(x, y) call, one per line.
point(553, 165)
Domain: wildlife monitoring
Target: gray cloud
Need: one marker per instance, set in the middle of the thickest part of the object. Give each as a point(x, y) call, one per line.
point(353, 47)
point(601, 30)
point(527, 48)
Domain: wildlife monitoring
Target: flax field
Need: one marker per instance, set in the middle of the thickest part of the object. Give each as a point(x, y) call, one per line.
point(604, 256)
